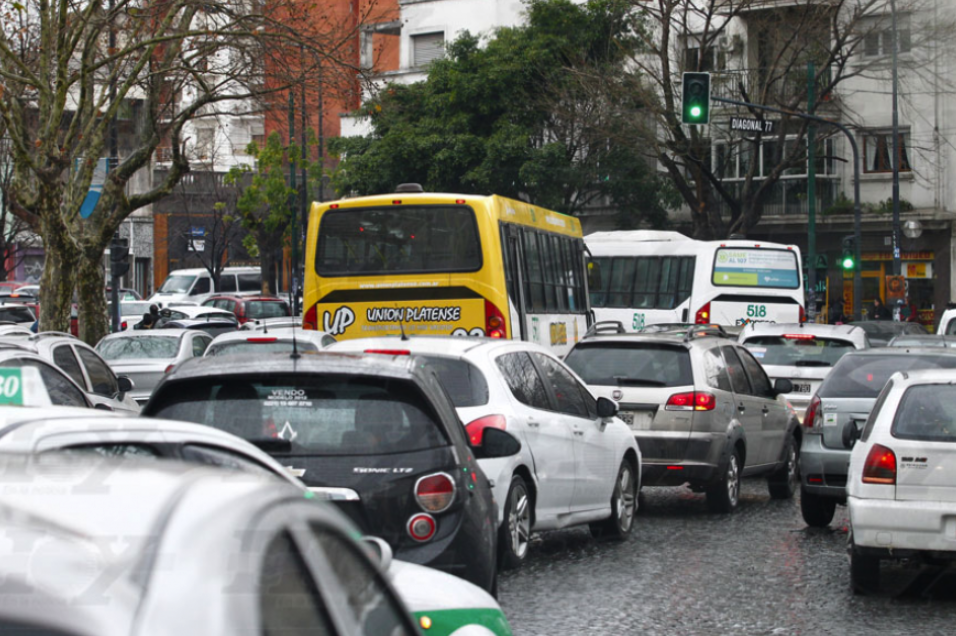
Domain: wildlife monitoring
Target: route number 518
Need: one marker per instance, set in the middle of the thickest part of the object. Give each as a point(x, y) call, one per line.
point(756, 311)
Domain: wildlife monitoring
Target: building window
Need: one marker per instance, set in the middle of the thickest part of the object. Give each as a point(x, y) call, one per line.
point(426, 48)
point(878, 148)
point(714, 59)
point(205, 138)
point(878, 35)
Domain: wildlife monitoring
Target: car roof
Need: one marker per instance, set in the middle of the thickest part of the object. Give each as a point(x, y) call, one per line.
point(198, 310)
point(244, 297)
point(439, 345)
point(812, 328)
point(280, 333)
point(202, 270)
point(900, 351)
point(145, 333)
point(929, 376)
point(324, 362)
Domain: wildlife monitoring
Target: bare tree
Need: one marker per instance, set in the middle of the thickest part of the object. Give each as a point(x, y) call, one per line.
point(15, 235)
point(68, 68)
point(757, 51)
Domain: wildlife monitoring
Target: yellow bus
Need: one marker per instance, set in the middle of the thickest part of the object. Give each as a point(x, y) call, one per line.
point(445, 264)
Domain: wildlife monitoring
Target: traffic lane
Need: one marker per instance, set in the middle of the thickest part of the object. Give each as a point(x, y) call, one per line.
point(686, 570)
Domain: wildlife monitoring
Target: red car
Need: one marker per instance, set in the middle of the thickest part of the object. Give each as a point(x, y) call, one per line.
point(248, 308)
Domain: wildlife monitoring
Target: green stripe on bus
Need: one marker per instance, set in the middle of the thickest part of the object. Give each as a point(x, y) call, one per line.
point(445, 622)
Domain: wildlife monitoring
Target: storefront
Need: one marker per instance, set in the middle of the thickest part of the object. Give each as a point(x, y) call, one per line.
point(918, 270)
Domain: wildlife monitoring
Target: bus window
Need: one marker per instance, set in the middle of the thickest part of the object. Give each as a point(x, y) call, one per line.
point(598, 270)
point(622, 282)
point(669, 271)
point(535, 277)
point(645, 286)
point(686, 280)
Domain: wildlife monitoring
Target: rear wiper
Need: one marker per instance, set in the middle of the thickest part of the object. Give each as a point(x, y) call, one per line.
point(272, 444)
point(638, 381)
point(812, 363)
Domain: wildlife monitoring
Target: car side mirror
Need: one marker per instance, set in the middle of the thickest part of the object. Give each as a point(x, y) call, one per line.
point(851, 433)
point(606, 408)
point(380, 552)
point(125, 384)
point(496, 443)
point(782, 385)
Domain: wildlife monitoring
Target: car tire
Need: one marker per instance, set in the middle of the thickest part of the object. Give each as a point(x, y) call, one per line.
point(784, 482)
point(817, 511)
point(724, 495)
point(864, 572)
point(624, 504)
point(515, 531)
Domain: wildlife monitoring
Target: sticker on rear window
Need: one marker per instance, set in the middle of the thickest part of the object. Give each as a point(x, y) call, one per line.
point(758, 352)
point(288, 397)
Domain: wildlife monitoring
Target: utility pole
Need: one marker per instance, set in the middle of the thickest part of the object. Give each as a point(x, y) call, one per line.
point(300, 235)
point(293, 187)
point(897, 265)
point(811, 198)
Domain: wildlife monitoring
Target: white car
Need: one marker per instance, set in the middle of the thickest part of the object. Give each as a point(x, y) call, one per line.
point(578, 463)
point(265, 324)
point(195, 312)
point(443, 602)
point(271, 341)
point(901, 486)
point(803, 353)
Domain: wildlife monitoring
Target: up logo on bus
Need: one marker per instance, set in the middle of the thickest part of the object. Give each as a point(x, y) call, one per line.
point(337, 324)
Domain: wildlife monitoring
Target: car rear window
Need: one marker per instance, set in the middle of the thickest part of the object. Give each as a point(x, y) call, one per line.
point(927, 412)
point(139, 347)
point(798, 350)
point(863, 376)
point(266, 309)
point(317, 414)
point(465, 383)
point(631, 364)
point(238, 347)
point(16, 313)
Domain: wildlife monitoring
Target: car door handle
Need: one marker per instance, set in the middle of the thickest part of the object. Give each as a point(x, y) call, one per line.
point(533, 424)
point(741, 408)
point(579, 433)
point(765, 410)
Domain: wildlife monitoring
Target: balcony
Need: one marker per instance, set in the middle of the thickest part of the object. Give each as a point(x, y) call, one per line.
point(784, 90)
point(789, 196)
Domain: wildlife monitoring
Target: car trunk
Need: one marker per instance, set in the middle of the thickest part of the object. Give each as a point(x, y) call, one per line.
point(838, 413)
point(145, 374)
point(662, 435)
point(926, 471)
point(805, 380)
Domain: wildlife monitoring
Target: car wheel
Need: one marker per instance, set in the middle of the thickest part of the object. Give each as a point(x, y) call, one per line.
point(623, 506)
point(725, 494)
point(784, 482)
point(516, 527)
point(817, 511)
point(864, 572)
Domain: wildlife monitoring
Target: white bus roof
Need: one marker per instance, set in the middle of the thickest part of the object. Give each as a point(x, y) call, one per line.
point(629, 236)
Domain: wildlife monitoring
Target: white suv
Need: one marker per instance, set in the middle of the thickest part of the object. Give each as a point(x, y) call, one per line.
point(902, 477)
point(578, 463)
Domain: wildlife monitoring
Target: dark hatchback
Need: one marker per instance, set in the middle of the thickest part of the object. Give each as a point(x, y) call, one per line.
point(376, 435)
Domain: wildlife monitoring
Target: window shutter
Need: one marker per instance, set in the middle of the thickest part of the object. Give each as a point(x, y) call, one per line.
point(427, 48)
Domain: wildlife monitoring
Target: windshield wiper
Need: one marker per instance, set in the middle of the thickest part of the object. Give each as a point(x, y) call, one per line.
point(812, 363)
point(637, 381)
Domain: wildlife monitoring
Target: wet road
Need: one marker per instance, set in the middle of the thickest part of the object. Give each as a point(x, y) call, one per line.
point(685, 570)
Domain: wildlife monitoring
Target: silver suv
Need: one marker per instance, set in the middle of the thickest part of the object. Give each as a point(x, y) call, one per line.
point(836, 415)
point(701, 407)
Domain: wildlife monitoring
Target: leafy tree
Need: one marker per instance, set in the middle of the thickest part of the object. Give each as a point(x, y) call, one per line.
point(513, 117)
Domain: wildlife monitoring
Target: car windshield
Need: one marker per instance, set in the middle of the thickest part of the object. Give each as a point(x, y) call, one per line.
point(631, 364)
point(257, 346)
point(134, 309)
point(16, 313)
point(465, 383)
point(863, 376)
point(798, 350)
point(266, 309)
point(177, 284)
point(138, 347)
point(927, 413)
point(316, 414)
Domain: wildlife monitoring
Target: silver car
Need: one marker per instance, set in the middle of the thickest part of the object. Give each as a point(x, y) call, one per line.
point(100, 548)
point(702, 409)
point(145, 356)
point(804, 353)
point(840, 407)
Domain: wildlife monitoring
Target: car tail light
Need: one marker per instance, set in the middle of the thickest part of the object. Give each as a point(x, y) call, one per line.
point(169, 368)
point(421, 527)
point(811, 419)
point(123, 325)
point(261, 340)
point(494, 322)
point(390, 352)
point(476, 428)
point(311, 319)
point(435, 493)
point(880, 466)
point(803, 314)
point(691, 401)
point(799, 336)
point(703, 315)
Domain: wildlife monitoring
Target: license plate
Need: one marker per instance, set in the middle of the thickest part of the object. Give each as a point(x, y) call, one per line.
point(637, 420)
point(800, 387)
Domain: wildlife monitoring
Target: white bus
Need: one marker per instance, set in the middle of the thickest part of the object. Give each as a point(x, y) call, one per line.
point(647, 277)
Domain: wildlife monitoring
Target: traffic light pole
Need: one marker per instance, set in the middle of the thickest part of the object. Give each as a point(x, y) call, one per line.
point(857, 212)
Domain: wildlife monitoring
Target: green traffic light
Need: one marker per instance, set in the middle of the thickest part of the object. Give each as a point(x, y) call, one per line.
point(847, 262)
point(695, 111)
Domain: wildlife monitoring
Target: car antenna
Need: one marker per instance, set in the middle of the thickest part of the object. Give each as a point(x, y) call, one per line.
point(401, 326)
point(295, 345)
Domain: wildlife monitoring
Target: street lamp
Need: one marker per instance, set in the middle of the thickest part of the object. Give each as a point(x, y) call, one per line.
point(912, 229)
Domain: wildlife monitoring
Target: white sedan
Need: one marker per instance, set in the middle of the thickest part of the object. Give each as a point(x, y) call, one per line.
point(578, 463)
point(269, 341)
point(901, 487)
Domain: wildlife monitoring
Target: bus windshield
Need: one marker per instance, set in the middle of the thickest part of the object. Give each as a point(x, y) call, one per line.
point(398, 240)
point(755, 267)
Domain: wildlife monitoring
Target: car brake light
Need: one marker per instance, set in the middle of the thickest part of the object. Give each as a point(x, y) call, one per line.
point(799, 336)
point(880, 466)
point(311, 319)
point(260, 340)
point(476, 428)
point(421, 527)
point(803, 314)
point(123, 325)
point(703, 315)
point(435, 493)
point(390, 352)
point(169, 368)
point(812, 413)
point(691, 401)
point(494, 322)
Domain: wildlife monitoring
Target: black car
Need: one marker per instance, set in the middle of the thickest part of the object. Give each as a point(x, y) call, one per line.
point(880, 332)
point(213, 326)
point(376, 435)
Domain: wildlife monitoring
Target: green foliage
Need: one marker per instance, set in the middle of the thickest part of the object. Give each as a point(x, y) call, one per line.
point(528, 115)
point(843, 205)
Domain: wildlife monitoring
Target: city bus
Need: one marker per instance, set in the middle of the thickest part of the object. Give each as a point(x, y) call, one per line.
point(648, 277)
point(419, 263)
